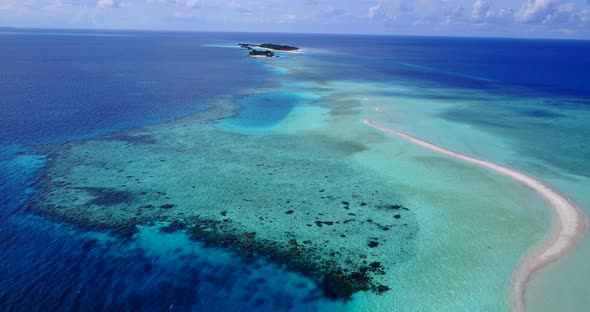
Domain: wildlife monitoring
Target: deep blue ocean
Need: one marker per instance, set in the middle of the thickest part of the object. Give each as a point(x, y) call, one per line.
point(57, 86)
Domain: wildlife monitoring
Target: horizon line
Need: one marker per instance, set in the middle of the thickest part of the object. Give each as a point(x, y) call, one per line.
point(295, 33)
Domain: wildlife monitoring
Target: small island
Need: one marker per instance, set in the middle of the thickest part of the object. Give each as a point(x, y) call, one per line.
point(261, 53)
point(278, 47)
point(266, 49)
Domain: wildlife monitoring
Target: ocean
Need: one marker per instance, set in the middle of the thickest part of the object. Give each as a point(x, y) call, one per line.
point(170, 171)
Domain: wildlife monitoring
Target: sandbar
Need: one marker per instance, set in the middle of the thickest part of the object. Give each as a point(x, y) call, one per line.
point(569, 221)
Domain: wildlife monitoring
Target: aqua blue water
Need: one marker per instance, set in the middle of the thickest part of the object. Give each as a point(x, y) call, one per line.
point(56, 87)
point(263, 110)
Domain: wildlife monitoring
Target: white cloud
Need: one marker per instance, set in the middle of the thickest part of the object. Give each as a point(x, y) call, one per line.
point(483, 13)
point(192, 3)
point(6, 4)
point(405, 14)
point(569, 16)
point(406, 10)
point(536, 11)
point(375, 11)
point(287, 17)
point(472, 17)
point(55, 4)
point(554, 12)
point(103, 4)
point(481, 10)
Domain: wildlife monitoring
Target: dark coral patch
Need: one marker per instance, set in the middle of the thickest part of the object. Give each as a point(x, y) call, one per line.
point(337, 284)
point(174, 226)
point(375, 265)
point(334, 281)
point(320, 223)
point(106, 196)
point(373, 244)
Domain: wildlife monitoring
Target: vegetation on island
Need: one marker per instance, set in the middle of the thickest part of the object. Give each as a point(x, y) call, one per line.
point(246, 45)
point(269, 46)
point(266, 53)
point(278, 47)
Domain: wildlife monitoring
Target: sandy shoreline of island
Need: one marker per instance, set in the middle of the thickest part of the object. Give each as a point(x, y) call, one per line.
point(569, 221)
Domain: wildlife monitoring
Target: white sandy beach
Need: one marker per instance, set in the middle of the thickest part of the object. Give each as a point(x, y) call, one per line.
point(568, 226)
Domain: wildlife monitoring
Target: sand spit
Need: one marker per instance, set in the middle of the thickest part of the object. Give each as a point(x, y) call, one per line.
point(568, 227)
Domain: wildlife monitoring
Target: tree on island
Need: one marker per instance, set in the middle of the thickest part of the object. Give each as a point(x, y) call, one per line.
point(270, 46)
point(278, 47)
point(266, 53)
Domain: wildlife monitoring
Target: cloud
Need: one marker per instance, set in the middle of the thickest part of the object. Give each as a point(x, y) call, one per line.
point(406, 14)
point(536, 11)
point(6, 4)
point(569, 16)
point(406, 10)
point(448, 17)
point(332, 11)
point(55, 4)
point(104, 4)
point(483, 13)
point(192, 3)
point(555, 13)
point(389, 9)
point(375, 11)
point(481, 10)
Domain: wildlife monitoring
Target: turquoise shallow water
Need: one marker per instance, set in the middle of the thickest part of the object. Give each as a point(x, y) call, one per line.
point(262, 110)
point(531, 129)
point(494, 219)
point(264, 197)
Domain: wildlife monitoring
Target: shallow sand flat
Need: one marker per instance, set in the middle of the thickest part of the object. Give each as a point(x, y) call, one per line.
point(563, 285)
point(475, 225)
point(569, 221)
point(558, 286)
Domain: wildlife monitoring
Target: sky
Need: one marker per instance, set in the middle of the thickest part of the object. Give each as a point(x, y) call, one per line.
point(499, 18)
